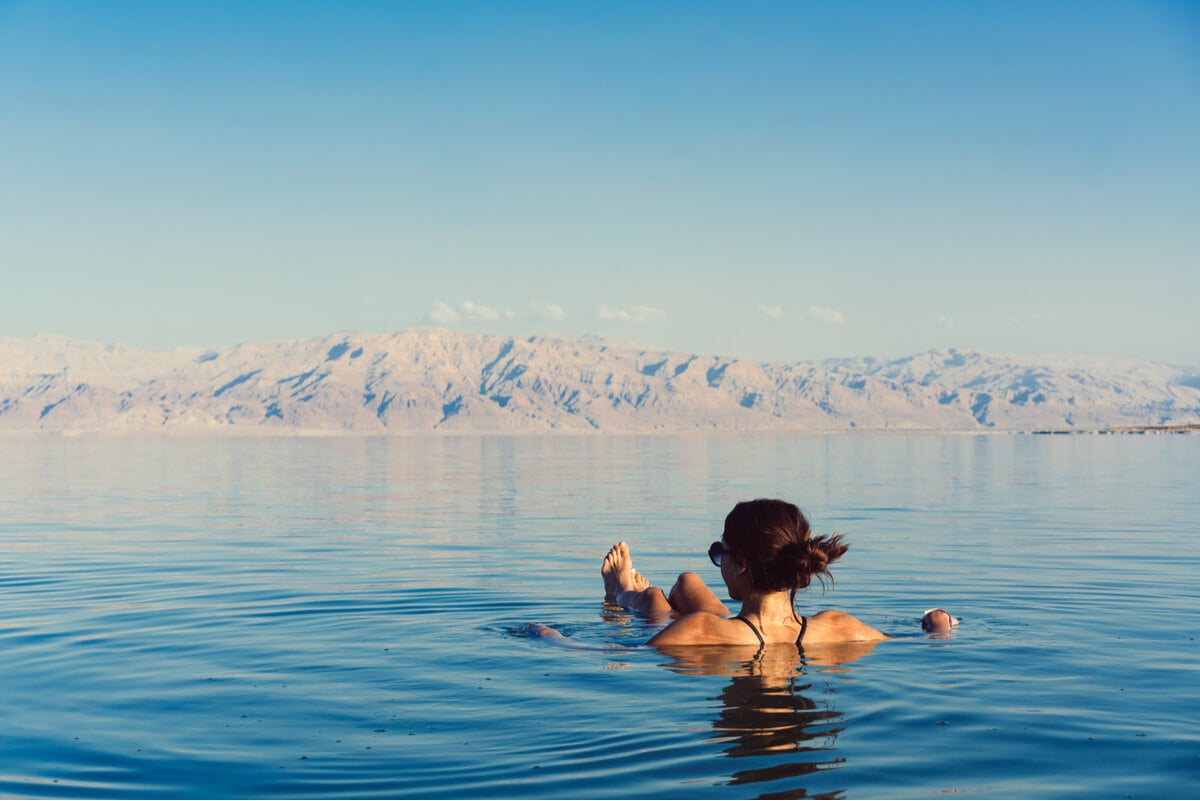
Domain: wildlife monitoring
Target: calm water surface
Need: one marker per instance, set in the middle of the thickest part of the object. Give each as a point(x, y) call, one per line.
point(341, 617)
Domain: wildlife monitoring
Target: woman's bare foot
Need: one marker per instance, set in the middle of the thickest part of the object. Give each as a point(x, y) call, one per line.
point(625, 586)
point(640, 582)
point(617, 571)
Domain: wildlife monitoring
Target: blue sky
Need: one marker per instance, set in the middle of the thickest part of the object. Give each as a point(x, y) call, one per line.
point(764, 180)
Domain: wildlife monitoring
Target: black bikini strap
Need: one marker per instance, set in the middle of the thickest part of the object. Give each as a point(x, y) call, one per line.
point(803, 628)
point(761, 641)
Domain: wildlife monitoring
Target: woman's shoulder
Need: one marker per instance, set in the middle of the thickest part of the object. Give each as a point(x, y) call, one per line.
point(834, 625)
point(705, 628)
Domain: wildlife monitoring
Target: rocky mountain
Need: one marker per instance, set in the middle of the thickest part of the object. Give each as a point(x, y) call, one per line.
point(438, 380)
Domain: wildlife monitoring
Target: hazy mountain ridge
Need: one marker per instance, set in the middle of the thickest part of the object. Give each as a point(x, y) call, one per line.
point(432, 379)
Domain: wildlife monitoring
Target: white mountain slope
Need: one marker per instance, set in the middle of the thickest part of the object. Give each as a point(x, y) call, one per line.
point(438, 380)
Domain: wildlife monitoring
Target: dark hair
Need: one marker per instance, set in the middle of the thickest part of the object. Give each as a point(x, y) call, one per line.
point(775, 541)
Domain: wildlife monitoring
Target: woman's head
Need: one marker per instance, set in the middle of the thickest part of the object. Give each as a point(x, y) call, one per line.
point(774, 541)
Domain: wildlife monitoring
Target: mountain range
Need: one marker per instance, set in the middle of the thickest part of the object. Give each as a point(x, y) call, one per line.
point(427, 379)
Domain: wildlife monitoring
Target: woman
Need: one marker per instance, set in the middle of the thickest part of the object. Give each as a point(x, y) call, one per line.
point(766, 554)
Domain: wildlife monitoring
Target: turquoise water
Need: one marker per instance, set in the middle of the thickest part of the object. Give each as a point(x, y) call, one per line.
point(341, 617)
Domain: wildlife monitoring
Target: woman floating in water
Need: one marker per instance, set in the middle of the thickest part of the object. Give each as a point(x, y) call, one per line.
point(766, 554)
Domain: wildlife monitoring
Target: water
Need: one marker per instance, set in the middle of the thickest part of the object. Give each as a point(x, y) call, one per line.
point(290, 617)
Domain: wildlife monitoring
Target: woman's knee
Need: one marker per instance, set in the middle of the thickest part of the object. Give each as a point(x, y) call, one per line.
point(688, 582)
point(688, 591)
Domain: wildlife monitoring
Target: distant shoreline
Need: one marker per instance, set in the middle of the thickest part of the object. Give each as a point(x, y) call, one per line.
point(1178, 428)
point(247, 432)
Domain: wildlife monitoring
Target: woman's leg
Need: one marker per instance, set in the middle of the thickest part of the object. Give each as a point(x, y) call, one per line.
point(629, 588)
point(691, 594)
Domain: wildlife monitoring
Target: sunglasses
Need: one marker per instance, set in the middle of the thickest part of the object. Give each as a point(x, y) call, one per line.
point(716, 552)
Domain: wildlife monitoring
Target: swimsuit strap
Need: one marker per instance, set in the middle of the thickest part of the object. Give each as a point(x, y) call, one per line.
point(761, 641)
point(803, 628)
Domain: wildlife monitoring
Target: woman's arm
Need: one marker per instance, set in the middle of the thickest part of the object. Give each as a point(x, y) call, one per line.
point(555, 637)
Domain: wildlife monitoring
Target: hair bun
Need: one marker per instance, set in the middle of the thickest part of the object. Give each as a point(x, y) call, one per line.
point(804, 557)
point(816, 557)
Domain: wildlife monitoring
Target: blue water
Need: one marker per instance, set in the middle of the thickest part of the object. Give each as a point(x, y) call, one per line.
point(291, 617)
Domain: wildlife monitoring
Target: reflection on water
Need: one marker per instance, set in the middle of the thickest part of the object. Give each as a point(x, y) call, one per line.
point(771, 712)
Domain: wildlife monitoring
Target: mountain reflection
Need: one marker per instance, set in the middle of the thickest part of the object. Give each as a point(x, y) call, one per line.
point(770, 714)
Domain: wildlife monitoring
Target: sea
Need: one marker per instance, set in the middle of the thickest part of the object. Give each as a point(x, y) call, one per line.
point(348, 617)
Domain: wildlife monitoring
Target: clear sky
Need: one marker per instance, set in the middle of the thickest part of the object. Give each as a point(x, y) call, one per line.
point(785, 180)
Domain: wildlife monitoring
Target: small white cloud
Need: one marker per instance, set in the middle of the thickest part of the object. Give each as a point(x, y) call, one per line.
point(443, 313)
point(642, 314)
point(637, 314)
point(827, 314)
point(548, 311)
point(473, 311)
point(945, 321)
point(774, 312)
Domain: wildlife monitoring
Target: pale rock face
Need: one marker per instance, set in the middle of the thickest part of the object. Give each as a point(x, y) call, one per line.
point(423, 380)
